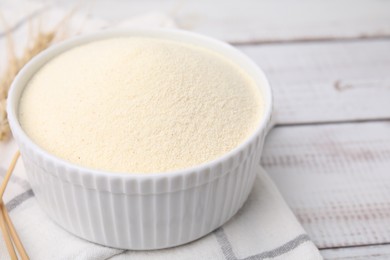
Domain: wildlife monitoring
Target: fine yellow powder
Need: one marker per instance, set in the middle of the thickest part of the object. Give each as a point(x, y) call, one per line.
point(140, 105)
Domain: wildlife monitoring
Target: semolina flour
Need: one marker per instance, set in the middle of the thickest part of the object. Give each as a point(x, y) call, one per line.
point(140, 105)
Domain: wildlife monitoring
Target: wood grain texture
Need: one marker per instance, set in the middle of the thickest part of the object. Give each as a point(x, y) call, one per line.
point(336, 179)
point(260, 21)
point(378, 252)
point(327, 82)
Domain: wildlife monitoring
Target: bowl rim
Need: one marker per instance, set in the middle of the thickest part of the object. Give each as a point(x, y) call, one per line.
point(45, 56)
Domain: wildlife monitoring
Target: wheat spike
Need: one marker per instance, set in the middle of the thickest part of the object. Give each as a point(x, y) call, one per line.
point(37, 42)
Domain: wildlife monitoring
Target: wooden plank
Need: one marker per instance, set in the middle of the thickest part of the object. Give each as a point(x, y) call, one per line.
point(336, 179)
point(260, 21)
point(321, 82)
point(378, 252)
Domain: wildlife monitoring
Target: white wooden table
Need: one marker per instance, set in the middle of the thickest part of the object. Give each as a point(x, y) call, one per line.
point(329, 65)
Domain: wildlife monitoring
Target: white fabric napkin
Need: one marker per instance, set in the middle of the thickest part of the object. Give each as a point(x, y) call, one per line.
point(264, 228)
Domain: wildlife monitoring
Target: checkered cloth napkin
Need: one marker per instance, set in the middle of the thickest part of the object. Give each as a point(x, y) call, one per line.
point(264, 228)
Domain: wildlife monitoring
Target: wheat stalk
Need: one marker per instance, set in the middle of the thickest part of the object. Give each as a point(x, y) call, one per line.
point(37, 42)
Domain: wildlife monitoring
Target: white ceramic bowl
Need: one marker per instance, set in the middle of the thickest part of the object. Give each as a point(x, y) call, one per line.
point(141, 211)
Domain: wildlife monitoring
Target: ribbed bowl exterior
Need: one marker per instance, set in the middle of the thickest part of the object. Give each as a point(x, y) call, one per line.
point(142, 214)
point(135, 211)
